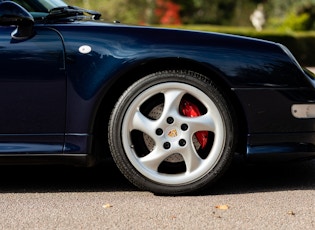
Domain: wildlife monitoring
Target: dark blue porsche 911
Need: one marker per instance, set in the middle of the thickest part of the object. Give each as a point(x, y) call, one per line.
point(171, 106)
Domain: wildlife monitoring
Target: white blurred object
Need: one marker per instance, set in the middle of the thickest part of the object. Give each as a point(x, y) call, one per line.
point(258, 17)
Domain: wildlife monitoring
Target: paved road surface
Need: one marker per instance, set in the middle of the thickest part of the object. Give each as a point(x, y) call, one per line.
point(266, 196)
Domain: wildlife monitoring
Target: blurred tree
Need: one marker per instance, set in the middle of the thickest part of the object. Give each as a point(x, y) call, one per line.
point(167, 12)
point(220, 12)
point(207, 12)
point(299, 14)
point(292, 14)
point(280, 8)
point(129, 11)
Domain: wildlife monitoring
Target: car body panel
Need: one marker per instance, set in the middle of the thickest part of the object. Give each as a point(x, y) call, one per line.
point(33, 108)
point(266, 96)
point(234, 56)
point(73, 68)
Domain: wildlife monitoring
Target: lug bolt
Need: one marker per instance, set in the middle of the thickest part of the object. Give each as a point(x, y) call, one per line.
point(159, 132)
point(167, 145)
point(170, 120)
point(184, 127)
point(182, 142)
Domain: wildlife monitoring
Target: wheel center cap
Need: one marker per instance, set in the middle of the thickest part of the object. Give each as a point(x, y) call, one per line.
point(172, 133)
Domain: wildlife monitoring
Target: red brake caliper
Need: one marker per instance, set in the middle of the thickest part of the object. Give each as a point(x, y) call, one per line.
point(191, 110)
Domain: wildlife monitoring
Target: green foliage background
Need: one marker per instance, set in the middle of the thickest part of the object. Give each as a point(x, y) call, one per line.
point(281, 14)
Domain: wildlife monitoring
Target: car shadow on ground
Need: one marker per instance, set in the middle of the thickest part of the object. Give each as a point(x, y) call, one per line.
point(242, 177)
point(245, 177)
point(28, 179)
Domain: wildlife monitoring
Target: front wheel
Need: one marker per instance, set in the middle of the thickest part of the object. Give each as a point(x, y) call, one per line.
point(171, 132)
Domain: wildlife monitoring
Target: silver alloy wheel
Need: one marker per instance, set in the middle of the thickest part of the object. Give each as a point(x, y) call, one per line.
point(169, 136)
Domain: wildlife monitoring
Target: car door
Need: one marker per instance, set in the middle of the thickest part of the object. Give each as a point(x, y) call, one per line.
point(32, 92)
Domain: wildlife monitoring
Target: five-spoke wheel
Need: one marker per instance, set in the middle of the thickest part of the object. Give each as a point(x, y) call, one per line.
point(171, 132)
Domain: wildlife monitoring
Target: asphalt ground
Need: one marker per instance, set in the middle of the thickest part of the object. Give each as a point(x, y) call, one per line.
point(249, 196)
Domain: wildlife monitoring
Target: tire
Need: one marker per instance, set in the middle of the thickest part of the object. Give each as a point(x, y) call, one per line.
point(172, 133)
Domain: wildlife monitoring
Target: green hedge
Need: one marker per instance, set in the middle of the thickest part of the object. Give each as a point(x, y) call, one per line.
point(301, 44)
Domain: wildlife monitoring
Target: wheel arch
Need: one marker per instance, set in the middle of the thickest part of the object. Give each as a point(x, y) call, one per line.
point(111, 94)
